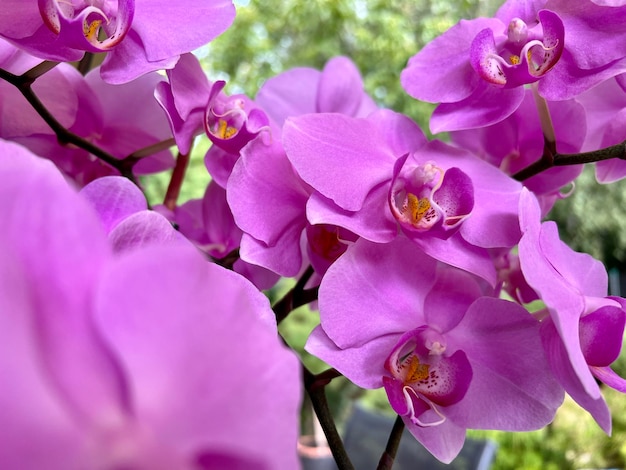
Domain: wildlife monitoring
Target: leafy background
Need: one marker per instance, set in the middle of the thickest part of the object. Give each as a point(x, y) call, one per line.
point(271, 36)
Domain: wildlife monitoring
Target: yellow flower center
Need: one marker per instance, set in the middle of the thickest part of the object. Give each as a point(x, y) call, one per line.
point(417, 208)
point(416, 371)
point(224, 131)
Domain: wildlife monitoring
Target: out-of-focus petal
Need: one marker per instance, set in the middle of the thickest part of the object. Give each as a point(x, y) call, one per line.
point(114, 198)
point(142, 229)
point(200, 349)
point(61, 246)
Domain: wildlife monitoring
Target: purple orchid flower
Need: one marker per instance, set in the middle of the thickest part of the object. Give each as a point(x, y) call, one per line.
point(120, 361)
point(584, 332)
point(433, 337)
point(193, 104)
point(231, 122)
point(267, 196)
point(374, 175)
point(477, 69)
point(139, 36)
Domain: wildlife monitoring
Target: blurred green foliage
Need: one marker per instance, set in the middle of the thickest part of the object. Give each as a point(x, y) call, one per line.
point(271, 36)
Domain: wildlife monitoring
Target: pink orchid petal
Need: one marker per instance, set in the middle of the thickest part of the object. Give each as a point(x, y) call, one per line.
point(255, 206)
point(63, 266)
point(375, 266)
point(142, 229)
point(444, 441)
point(114, 198)
point(485, 334)
point(487, 105)
point(610, 378)
point(201, 22)
point(601, 333)
point(346, 144)
point(363, 365)
point(33, 412)
point(340, 88)
point(564, 372)
point(182, 334)
point(290, 93)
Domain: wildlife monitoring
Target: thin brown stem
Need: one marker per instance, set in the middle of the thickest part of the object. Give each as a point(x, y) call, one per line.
point(296, 297)
point(388, 457)
point(152, 149)
point(86, 63)
point(37, 71)
point(176, 182)
point(317, 393)
point(563, 159)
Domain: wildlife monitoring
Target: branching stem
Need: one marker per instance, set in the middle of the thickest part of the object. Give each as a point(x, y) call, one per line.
point(296, 297)
point(24, 84)
point(563, 159)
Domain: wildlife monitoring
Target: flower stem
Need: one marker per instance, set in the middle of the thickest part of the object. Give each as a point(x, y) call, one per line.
point(296, 297)
point(316, 390)
point(38, 70)
point(152, 149)
point(86, 63)
point(388, 457)
point(176, 182)
point(563, 159)
point(549, 137)
point(64, 136)
point(551, 157)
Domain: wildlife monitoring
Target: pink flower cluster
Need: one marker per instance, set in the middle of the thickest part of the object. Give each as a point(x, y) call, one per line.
point(138, 337)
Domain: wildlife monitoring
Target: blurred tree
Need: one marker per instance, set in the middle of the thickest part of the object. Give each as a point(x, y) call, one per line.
point(271, 36)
